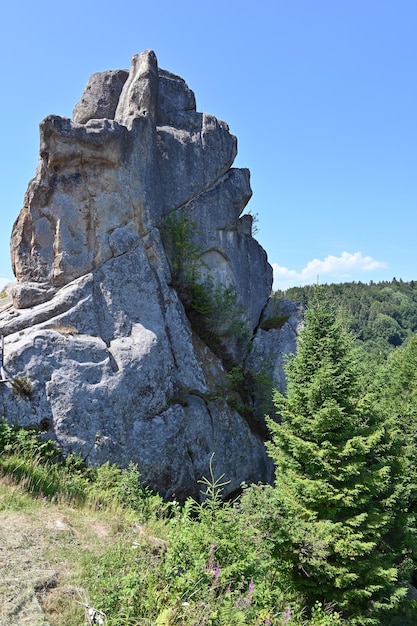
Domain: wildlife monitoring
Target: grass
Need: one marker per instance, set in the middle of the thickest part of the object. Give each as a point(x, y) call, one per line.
point(76, 539)
point(64, 558)
point(46, 542)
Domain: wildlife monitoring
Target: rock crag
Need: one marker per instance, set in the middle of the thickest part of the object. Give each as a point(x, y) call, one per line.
point(134, 212)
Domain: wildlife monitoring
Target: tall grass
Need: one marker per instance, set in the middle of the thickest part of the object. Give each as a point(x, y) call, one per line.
point(37, 465)
point(167, 564)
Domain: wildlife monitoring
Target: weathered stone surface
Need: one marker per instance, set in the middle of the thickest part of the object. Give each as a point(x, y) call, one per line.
point(139, 95)
point(117, 375)
point(30, 294)
point(274, 340)
point(227, 245)
point(100, 97)
point(96, 323)
point(175, 99)
point(192, 160)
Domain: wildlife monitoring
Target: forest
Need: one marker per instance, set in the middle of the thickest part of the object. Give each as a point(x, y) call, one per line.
point(332, 541)
point(381, 315)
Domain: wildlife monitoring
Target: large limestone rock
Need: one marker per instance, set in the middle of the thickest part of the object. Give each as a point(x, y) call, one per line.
point(97, 322)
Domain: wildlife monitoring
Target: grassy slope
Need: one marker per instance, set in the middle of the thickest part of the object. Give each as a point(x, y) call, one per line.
point(58, 556)
point(71, 536)
point(42, 544)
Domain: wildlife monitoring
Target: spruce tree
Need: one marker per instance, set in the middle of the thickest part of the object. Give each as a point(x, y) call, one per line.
point(338, 477)
point(398, 394)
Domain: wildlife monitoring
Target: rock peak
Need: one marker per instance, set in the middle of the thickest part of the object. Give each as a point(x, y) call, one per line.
point(136, 275)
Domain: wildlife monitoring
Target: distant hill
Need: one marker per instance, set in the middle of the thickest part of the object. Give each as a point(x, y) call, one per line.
point(382, 315)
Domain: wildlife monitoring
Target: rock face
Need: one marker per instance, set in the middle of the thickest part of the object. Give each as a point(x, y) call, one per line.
point(134, 210)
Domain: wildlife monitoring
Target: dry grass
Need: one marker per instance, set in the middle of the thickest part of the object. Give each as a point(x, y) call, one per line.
point(40, 548)
point(65, 330)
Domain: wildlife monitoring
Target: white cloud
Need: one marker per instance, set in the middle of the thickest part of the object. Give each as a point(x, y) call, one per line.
point(331, 269)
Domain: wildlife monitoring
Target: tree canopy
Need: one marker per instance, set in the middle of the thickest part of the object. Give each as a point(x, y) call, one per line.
point(381, 315)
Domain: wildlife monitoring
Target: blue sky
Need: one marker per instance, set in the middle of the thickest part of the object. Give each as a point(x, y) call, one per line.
point(322, 95)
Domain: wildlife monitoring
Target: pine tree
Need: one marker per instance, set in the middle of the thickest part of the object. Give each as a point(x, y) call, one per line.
point(398, 395)
point(338, 476)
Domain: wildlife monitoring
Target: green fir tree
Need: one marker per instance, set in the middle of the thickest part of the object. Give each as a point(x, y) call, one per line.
point(338, 477)
point(398, 394)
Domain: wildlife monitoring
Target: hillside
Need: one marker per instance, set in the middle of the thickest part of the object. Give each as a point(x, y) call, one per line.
point(382, 315)
point(83, 547)
point(331, 543)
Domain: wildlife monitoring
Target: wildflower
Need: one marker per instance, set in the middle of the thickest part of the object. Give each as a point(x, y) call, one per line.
point(244, 601)
point(216, 571)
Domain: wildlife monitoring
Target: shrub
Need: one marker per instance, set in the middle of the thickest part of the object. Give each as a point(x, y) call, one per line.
point(22, 386)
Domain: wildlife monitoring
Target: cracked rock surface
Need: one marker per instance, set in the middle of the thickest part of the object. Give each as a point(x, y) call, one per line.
point(95, 320)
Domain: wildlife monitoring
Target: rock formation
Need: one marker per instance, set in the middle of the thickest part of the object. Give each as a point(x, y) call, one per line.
point(130, 229)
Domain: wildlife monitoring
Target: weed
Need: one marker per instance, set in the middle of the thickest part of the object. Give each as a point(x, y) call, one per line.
point(22, 386)
point(277, 321)
point(255, 221)
point(213, 491)
point(122, 487)
point(324, 616)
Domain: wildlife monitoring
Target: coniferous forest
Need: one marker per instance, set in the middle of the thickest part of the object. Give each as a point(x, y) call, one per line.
point(381, 315)
point(332, 541)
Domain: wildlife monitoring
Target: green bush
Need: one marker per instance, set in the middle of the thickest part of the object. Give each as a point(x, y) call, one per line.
point(112, 486)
